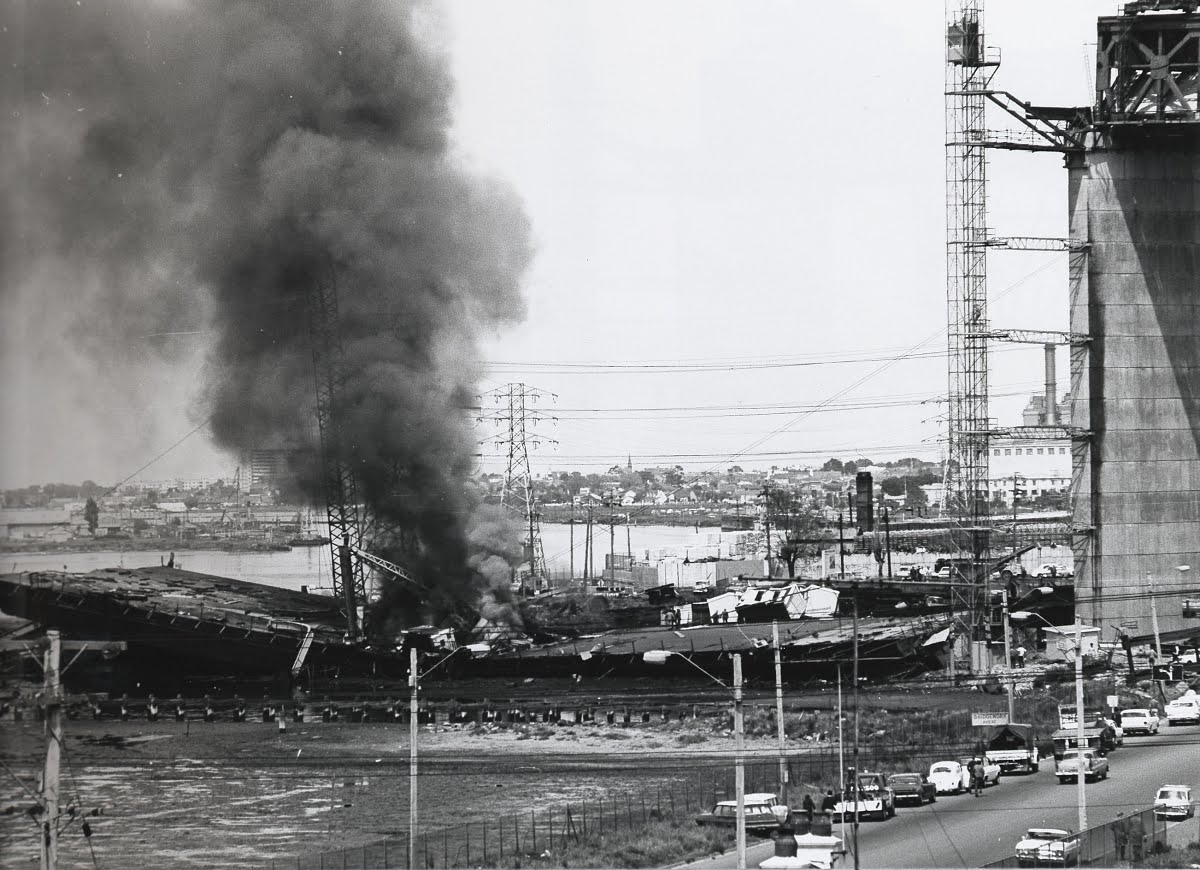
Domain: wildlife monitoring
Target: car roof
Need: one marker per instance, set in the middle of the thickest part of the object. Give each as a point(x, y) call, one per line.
point(1047, 833)
point(761, 796)
point(1168, 785)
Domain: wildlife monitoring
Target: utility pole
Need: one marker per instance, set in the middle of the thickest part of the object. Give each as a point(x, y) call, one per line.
point(413, 679)
point(841, 753)
point(52, 671)
point(854, 784)
point(766, 494)
point(841, 549)
point(1014, 507)
point(887, 533)
point(571, 526)
point(612, 536)
point(54, 735)
point(1154, 619)
point(783, 768)
point(739, 772)
point(1008, 654)
point(587, 546)
point(1079, 739)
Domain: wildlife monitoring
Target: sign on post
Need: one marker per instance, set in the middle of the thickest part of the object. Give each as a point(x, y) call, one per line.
point(989, 718)
point(1112, 701)
point(1066, 716)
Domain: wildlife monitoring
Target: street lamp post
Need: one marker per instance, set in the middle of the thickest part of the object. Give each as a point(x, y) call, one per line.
point(660, 657)
point(1081, 780)
point(414, 681)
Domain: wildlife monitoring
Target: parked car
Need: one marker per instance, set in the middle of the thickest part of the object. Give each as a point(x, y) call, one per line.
point(1184, 711)
point(1047, 846)
point(1174, 802)
point(912, 788)
point(991, 770)
point(764, 813)
point(1140, 720)
point(949, 777)
point(1053, 570)
point(1095, 766)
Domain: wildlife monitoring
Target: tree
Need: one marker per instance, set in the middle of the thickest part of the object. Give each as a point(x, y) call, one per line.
point(91, 514)
point(850, 468)
point(832, 465)
point(793, 526)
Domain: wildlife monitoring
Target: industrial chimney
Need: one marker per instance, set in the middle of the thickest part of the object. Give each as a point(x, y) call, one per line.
point(1051, 389)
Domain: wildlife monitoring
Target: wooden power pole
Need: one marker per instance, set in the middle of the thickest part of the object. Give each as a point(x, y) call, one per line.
point(51, 648)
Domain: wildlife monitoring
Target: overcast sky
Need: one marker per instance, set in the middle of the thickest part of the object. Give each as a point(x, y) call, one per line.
point(731, 186)
point(748, 194)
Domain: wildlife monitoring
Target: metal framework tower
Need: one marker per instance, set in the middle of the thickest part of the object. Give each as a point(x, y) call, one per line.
point(517, 413)
point(969, 72)
point(345, 514)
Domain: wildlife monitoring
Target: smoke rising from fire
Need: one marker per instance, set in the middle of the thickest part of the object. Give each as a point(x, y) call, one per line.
point(203, 162)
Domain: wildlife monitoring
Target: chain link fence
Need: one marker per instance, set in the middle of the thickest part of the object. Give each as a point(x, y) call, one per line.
point(1126, 841)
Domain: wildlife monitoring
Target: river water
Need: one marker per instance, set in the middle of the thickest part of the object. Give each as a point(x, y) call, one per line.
point(309, 566)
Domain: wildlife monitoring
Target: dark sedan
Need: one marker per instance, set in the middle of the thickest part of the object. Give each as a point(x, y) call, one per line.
point(912, 788)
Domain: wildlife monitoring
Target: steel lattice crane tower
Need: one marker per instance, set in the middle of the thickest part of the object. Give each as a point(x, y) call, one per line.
point(517, 413)
point(346, 515)
point(969, 72)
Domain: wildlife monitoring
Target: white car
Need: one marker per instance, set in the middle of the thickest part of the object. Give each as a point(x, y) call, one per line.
point(1048, 846)
point(949, 777)
point(1052, 570)
point(1140, 720)
point(991, 770)
point(1174, 802)
point(1184, 711)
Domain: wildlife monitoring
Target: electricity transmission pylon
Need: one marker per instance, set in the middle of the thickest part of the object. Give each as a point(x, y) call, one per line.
point(516, 414)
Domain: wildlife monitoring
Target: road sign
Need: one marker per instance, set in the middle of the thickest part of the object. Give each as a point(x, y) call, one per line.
point(1112, 701)
point(989, 718)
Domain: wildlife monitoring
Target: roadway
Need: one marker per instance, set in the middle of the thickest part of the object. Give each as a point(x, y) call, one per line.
point(966, 831)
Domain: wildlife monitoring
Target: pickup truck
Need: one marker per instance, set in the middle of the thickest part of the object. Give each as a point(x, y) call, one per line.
point(1095, 767)
point(1014, 748)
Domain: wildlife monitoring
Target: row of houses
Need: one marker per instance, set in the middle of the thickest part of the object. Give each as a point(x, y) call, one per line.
point(166, 519)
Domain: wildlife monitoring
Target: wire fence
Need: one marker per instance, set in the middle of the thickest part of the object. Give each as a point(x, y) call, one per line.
point(531, 838)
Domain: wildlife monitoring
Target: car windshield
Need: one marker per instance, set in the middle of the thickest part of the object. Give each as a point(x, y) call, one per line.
point(943, 768)
point(1046, 834)
point(905, 778)
point(1136, 714)
point(1173, 794)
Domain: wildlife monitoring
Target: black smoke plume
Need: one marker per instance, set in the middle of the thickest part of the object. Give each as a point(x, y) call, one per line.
point(202, 160)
